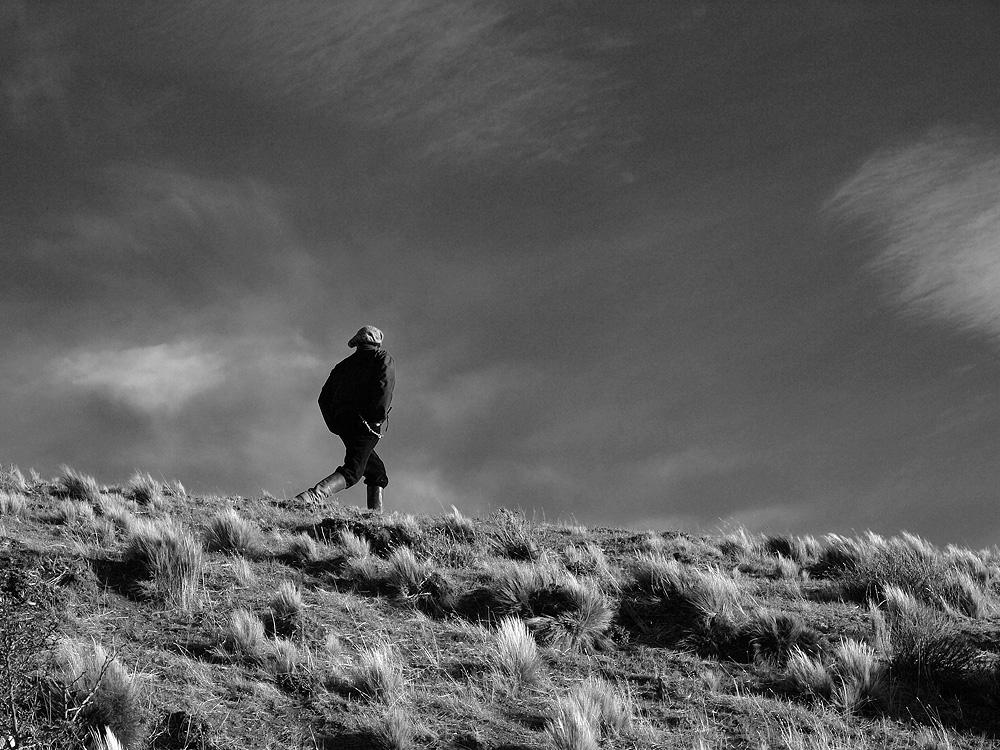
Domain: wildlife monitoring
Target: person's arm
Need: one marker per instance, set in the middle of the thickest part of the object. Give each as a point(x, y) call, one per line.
point(385, 381)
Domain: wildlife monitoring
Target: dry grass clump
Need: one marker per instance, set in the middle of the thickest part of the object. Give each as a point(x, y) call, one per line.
point(859, 676)
point(166, 560)
point(592, 713)
point(244, 636)
point(294, 666)
point(512, 536)
point(352, 546)
point(803, 551)
point(376, 674)
point(12, 480)
point(396, 729)
point(303, 549)
point(75, 485)
point(13, 503)
point(864, 567)
point(668, 602)
point(572, 616)
point(228, 532)
point(808, 673)
point(458, 527)
point(775, 636)
point(587, 559)
point(924, 649)
point(114, 509)
point(144, 489)
point(93, 688)
point(75, 513)
point(287, 609)
point(514, 655)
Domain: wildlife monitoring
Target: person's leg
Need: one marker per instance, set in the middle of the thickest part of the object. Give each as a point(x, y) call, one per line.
point(357, 455)
point(376, 480)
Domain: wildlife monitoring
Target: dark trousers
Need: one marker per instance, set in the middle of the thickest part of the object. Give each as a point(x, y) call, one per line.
point(361, 460)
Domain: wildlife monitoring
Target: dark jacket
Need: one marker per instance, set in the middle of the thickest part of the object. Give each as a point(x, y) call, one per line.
point(359, 388)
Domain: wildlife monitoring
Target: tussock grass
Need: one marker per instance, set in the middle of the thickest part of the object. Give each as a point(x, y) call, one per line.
point(807, 673)
point(458, 527)
point(228, 532)
point(353, 546)
point(12, 480)
point(303, 549)
point(396, 729)
point(859, 676)
point(376, 675)
point(287, 608)
point(775, 636)
point(96, 690)
point(587, 559)
point(75, 485)
point(671, 603)
point(114, 509)
point(106, 740)
point(512, 537)
point(593, 713)
point(514, 655)
point(166, 560)
point(144, 489)
point(75, 513)
point(13, 504)
point(244, 636)
point(864, 567)
point(573, 617)
point(924, 649)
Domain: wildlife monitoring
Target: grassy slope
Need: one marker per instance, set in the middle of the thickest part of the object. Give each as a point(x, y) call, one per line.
point(670, 626)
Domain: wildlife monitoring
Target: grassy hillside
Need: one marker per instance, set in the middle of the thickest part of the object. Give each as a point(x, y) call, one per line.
point(140, 614)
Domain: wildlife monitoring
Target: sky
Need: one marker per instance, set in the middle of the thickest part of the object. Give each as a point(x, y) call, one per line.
point(685, 265)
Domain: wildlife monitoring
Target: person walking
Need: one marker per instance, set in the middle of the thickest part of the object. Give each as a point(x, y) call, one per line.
point(355, 403)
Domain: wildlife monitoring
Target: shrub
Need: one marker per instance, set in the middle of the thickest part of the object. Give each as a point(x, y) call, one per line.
point(166, 559)
point(515, 654)
point(376, 675)
point(76, 486)
point(244, 636)
point(144, 489)
point(286, 609)
point(96, 690)
point(231, 534)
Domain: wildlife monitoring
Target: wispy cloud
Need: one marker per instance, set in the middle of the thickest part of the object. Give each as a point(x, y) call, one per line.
point(934, 206)
point(158, 378)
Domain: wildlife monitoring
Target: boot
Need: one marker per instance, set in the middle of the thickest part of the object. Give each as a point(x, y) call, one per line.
point(374, 498)
point(332, 484)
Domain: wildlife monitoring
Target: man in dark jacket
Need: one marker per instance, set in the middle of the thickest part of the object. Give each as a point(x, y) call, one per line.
point(355, 403)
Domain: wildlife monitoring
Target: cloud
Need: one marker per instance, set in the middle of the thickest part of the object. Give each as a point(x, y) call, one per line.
point(158, 378)
point(450, 79)
point(934, 206)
